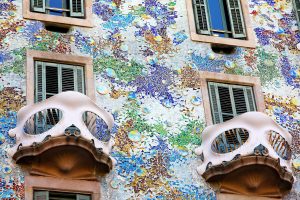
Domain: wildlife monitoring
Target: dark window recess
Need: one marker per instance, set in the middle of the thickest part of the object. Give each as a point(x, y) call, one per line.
point(52, 195)
point(57, 29)
point(223, 49)
point(220, 18)
point(65, 8)
point(228, 101)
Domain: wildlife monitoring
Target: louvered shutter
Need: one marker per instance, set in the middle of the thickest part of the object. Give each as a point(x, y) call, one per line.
point(201, 17)
point(77, 8)
point(38, 6)
point(80, 80)
point(214, 102)
point(83, 197)
point(228, 101)
point(225, 99)
point(236, 18)
point(250, 99)
point(240, 104)
point(297, 10)
point(41, 195)
point(40, 89)
point(52, 79)
point(68, 79)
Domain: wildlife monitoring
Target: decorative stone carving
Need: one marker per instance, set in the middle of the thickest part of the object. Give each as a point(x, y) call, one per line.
point(247, 155)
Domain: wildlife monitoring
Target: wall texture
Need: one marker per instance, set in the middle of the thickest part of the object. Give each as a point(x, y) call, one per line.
point(140, 49)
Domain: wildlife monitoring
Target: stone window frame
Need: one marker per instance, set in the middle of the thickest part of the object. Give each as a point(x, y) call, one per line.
point(199, 80)
point(250, 42)
point(84, 61)
point(61, 20)
point(62, 185)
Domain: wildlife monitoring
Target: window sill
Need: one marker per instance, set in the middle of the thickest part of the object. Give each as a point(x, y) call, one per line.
point(223, 41)
point(59, 20)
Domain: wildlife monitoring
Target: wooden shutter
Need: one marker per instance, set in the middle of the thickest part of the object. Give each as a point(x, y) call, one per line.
point(67, 79)
point(80, 80)
point(297, 10)
point(214, 102)
point(83, 197)
point(41, 195)
point(38, 6)
point(236, 18)
point(52, 79)
point(40, 89)
point(228, 101)
point(226, 104)
point(250, 99)
point(76, 8)
point(201, 17)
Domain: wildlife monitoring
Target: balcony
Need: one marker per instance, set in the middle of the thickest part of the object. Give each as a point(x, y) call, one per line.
point(249, 155)
point(65, 136)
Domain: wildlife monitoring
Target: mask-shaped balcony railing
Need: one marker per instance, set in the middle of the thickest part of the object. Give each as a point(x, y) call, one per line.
point(66, 119)
point(237, 147)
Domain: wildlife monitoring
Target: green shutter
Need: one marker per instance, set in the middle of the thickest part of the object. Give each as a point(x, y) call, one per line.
point(52, 80)
point(41, 195)
point(296, 4)
point(40, 90)
point(76, 8)
point(67, 78)
point(214, 103)
point(236, 18)
point(80, 80)
point(228, 101)
point(38, 6)
point(201, 17)
point(250, 99)
point(83, 197)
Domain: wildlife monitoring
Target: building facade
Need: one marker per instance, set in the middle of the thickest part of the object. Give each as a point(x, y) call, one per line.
point(158, 74)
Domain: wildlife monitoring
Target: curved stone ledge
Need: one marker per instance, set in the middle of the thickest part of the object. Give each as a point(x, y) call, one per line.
point(64, 157)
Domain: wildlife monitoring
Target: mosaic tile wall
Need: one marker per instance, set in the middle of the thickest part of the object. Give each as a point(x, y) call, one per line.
point(140, 49)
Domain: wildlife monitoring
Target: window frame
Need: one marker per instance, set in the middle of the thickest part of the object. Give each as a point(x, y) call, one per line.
point(230, 87)
point(33, 183)
point(60, 20)
point(250, 41)
point(81, 61)
point(200, 79)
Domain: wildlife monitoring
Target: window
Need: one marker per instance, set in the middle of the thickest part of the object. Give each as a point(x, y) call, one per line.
point(228, 101)
point(297, 10)
point(201, 80)
point(43, 187)
point(66, 8)
point(222, 18)
point(49, 73)
point(59, 13)
point(222, 22)
point(53, 78)
point(51, 195)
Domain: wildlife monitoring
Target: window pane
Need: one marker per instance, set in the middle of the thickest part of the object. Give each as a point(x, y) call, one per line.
point(56, 4)
point(216, 14)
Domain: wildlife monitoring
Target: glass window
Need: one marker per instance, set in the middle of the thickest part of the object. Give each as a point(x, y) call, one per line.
point(67, 8)
point(220, 18)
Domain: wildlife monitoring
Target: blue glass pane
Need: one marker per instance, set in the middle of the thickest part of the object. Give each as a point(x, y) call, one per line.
point(215, 9)
point(56, 4)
